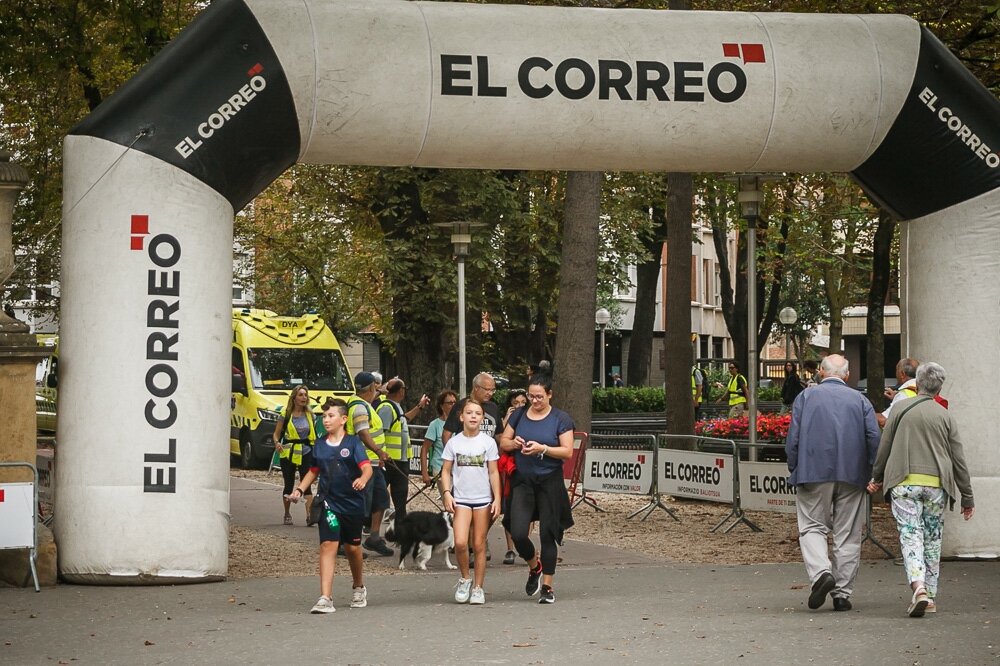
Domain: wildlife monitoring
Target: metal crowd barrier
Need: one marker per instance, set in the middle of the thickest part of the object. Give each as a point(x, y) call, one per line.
point(757, 486)
point(419, 489)
point(618, 464)
point(13, 531)
point(702, 473)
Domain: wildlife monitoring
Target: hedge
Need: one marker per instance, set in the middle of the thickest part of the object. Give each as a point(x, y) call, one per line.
point(640, 399)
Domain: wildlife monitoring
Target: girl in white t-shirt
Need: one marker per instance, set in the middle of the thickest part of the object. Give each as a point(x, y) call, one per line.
point(470, 483)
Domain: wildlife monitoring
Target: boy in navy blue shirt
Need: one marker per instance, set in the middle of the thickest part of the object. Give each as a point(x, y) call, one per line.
point(341, 463)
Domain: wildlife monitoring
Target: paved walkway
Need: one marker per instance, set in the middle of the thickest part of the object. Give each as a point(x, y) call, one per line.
point(612, 607)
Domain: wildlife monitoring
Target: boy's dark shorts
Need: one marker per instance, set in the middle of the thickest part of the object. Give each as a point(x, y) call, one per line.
point(376, 492)
point(349, 532)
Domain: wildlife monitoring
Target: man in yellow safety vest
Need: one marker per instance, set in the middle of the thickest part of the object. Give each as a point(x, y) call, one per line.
point(363, 421)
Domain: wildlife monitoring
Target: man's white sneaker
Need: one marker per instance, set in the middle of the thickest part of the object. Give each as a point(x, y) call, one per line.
point(359, 597)
point(477, 596)
point(463, 590)
point(324, 605)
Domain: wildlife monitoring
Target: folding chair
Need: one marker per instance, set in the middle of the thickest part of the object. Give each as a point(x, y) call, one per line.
point(573, 473)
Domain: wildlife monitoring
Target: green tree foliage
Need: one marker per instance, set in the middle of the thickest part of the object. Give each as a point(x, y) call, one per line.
point(59, 60)
point(833, 232)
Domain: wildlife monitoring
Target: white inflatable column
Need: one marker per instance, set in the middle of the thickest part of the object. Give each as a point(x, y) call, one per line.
point(142, 480)
point(950, 278)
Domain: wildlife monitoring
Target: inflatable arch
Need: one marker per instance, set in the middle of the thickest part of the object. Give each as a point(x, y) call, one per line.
point(154, 175)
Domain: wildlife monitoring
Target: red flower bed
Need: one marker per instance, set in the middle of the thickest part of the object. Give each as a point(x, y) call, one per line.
point(770, 428)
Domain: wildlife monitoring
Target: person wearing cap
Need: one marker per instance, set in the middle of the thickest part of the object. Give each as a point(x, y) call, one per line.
point(397, 440)
point(363, 421)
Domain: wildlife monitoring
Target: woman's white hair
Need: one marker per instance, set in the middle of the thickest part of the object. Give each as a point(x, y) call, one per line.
point(930, 378)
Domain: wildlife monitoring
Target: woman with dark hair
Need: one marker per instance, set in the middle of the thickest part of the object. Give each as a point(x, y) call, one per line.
point(516, 399)
point(430, 452)
point(541, 438)
point(791, 387)
point(294, 434)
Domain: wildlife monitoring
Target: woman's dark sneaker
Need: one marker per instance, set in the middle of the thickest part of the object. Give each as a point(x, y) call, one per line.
point(548, 595)
point(534, 581)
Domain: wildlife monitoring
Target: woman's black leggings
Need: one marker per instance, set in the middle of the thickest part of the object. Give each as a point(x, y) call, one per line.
point(288, 472)
point(522, 508)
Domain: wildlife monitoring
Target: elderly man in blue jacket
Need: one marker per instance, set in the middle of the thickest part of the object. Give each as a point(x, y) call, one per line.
point(831, 446)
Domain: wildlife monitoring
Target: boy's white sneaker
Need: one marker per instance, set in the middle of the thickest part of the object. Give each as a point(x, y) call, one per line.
point(359, 597)
point(477, 596)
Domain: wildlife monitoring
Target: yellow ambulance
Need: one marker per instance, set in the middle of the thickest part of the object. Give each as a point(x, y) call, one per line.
point(47, 384)
point(272, 355)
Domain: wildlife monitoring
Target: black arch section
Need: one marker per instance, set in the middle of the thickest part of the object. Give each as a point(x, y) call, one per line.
point(222, 52)
point(924, 165)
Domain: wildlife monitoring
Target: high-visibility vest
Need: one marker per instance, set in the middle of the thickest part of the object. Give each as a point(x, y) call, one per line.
point(394, 434)
point(735, 395)
point(909, 391)
point(374, 423)
point(293, 441)
point(694, 383)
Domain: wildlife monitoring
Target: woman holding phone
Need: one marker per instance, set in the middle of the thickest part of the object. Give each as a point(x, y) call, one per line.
point(541, 438)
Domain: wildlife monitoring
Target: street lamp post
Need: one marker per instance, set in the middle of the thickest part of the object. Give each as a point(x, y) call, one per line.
point(602, 317)
point(461, 237)
point(788, 316)
point(750, 198)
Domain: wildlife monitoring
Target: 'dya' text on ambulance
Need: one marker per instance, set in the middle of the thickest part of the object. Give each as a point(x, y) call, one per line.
point(271, 356)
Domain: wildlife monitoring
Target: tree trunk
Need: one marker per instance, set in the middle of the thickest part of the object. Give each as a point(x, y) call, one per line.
point(881, 268)
point(677, 306)
point(640, 349)
point(574, 358)
point(421, 348)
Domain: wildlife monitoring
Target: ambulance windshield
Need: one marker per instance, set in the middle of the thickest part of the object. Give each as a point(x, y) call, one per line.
point(282, 368)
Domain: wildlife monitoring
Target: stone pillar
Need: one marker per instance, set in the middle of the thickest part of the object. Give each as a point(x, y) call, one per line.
point(19, 354)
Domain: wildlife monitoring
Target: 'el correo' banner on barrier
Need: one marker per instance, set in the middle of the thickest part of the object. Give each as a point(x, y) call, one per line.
point(764, 487)
point(707, 476)
point(249, 88)
point(610, 471)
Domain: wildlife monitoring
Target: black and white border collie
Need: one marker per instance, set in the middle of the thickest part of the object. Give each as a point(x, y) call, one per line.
point(422, 533)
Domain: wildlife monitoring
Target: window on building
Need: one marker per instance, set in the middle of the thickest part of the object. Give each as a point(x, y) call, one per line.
point(694, 278)
point(706, 273)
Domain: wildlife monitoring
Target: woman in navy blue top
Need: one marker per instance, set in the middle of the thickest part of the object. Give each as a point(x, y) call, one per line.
point(541, 438)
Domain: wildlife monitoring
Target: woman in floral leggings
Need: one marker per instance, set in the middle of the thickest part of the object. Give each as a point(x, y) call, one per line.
point(919, 433)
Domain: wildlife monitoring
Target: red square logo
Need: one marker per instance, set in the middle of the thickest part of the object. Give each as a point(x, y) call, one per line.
point(140, 224)
point(1, 494)
point(753, 52)
point(136, 242)
point(720, 463)
point(731, 50)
